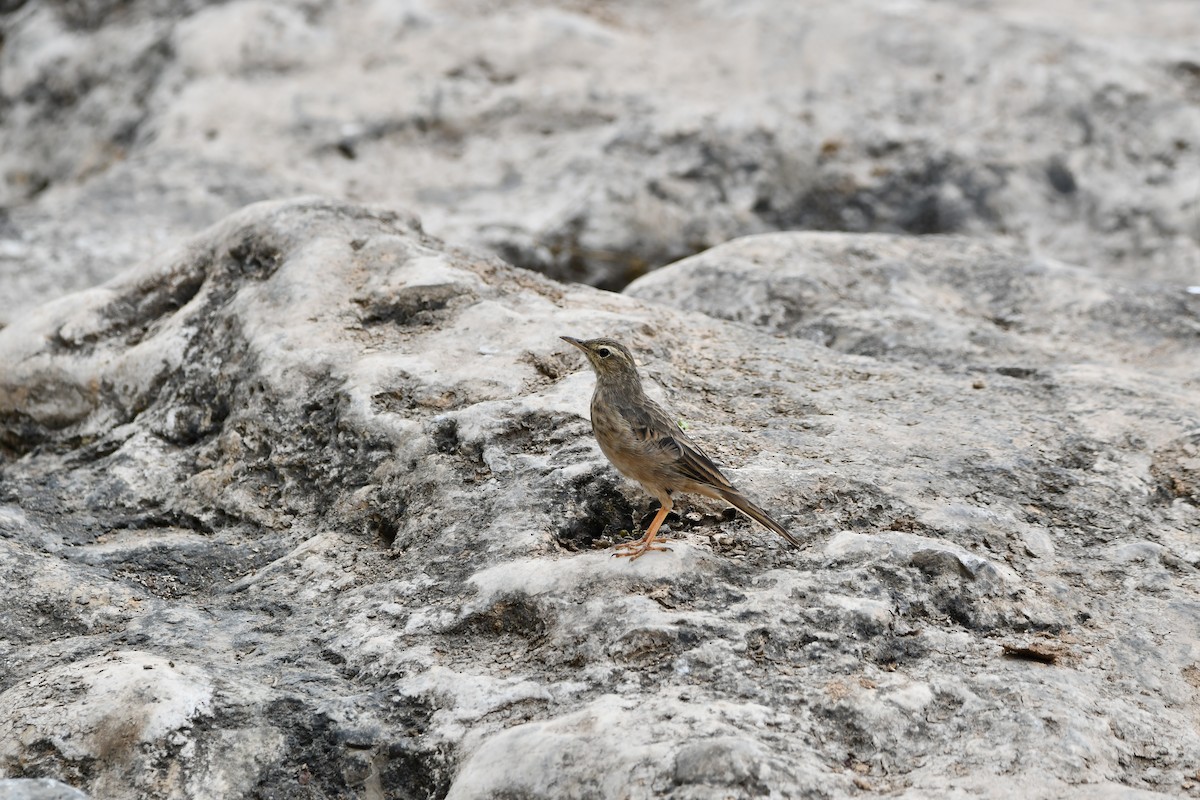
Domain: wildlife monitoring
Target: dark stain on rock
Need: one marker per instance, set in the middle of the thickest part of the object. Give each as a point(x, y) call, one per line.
point(594, 511)
point(41, 759)
point(393, 401)
point(1079, 452)
point(445, 436)
point(1176, 471)
point(1061, 177)
point(313, 764)
point(940, 563)
point(407, 770)
point(385, 526)
point(254, 257)
point(648, 646)
point(1021, 373)
point(172, 571)
point(895, 651)
point(961, 606)
point(858, 505)
point(512, 615)
point(414, 306)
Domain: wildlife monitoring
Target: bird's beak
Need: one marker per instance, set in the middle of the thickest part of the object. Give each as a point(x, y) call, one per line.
point(575, 342)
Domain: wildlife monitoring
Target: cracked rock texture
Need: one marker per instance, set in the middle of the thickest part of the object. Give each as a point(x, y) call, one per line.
point(297, 500)
point(599, 141)
point(309, 507)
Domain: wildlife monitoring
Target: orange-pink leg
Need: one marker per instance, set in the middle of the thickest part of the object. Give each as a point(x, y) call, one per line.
point(648, 542)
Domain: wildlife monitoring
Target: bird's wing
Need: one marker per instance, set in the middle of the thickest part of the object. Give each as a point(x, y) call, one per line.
point(660, 436)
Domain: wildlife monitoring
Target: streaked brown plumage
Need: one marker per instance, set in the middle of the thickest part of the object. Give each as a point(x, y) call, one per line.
point(644, 444)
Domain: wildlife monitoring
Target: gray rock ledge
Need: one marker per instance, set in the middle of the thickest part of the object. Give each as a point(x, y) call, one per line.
point(310, 507)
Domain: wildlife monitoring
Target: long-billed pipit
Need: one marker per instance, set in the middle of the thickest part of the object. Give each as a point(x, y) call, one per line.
point(644, 444)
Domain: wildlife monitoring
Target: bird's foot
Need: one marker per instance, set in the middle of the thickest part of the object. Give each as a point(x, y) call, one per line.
point(635, 550)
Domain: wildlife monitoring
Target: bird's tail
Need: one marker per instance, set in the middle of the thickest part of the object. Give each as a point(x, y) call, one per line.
point(739, 501)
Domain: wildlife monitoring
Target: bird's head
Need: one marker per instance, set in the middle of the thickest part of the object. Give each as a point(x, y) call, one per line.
point(609, 357)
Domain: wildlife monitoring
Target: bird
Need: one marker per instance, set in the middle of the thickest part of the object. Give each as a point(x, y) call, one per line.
point(645, 444)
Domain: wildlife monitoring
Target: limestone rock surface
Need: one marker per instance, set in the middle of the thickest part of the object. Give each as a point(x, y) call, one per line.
point(38, 789)
point(309, 506)
point(600, 141)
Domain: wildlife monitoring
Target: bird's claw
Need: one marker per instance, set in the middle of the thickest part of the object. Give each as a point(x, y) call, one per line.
point(636, 552)
point(636, 549)
point(638, 543)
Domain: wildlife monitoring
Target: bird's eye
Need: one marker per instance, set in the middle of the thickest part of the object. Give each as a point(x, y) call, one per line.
point(604, 352)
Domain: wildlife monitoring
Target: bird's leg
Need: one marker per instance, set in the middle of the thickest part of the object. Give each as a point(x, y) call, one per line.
point(648, 542)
